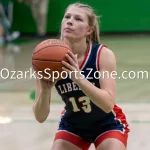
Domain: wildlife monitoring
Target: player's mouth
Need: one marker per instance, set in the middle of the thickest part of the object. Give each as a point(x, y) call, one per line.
point(68, 29)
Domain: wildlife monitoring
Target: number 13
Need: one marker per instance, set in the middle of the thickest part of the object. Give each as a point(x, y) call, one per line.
point(85, 102)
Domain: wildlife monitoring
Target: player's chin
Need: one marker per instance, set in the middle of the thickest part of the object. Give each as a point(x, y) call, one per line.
point(69, 37)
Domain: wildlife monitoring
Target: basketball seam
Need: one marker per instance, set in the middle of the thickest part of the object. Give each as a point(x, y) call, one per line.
point(50, 46)
point(35, 67)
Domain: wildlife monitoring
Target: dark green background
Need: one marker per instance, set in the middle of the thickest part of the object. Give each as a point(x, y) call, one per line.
point(116, 15)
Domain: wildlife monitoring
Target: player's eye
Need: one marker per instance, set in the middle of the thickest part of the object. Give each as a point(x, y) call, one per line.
point(78, 19)
point(67, 16)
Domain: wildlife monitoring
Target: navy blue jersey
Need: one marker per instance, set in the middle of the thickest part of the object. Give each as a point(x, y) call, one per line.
point(80, 112)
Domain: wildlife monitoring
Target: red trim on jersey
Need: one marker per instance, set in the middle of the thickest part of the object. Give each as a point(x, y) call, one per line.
point(112, 134)
point(98, 56)
point(88, 50)
point(121, 117)
point(72, 138)
point(62, 113)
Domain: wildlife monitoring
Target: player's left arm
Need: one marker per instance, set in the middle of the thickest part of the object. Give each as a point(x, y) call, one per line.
point(104, 97)
point(107, 65)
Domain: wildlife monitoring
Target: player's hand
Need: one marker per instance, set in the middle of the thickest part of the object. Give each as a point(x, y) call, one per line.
point(46, 85)
point(72, 67)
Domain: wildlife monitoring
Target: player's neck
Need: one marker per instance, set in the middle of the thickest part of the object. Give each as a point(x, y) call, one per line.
point(79, 47)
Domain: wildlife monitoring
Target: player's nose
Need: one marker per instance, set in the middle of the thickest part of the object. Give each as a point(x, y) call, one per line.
point(70, 22)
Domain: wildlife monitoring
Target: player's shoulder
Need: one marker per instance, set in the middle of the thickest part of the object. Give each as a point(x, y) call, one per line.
point(107, 52)
point(107, 58)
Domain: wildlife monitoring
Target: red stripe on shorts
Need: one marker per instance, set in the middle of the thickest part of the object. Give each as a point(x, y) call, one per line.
point(112, 134)
point(72, 138)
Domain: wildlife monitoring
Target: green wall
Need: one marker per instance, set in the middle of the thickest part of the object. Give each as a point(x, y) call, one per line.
point(116, 15)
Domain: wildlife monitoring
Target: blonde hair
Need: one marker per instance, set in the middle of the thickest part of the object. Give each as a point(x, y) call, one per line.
point(92, 21)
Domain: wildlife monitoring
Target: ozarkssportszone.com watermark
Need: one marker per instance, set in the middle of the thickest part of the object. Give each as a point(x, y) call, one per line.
point(54, 75)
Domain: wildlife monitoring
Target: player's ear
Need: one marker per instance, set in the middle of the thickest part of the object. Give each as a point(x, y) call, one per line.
point(89, 31)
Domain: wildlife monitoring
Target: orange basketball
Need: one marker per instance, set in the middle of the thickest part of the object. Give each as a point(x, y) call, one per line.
point(47, 58)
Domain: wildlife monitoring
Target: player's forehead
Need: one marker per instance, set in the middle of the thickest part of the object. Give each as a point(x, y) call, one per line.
point(76, 11)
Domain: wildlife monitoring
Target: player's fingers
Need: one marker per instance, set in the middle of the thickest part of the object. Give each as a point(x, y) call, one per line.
point(72, 55)
point(71, 60)
point(76, 58)
point(68, 66)
point(65, 69)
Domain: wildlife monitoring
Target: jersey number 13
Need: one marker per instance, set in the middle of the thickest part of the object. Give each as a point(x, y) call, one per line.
point(86, 105)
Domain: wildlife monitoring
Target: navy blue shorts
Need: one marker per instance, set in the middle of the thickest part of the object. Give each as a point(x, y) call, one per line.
point(84, 137)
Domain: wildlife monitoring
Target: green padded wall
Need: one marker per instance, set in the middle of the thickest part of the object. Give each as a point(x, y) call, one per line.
point(116, 15)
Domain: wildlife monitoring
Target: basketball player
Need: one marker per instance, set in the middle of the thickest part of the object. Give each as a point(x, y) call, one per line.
point(91, 114)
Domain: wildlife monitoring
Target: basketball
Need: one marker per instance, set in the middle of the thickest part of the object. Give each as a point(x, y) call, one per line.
point(47, 58)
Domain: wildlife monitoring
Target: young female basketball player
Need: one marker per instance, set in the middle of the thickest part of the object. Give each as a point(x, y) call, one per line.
point(90, 115)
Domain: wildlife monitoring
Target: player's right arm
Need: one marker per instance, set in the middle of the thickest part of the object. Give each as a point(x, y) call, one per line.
point(41, 106)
